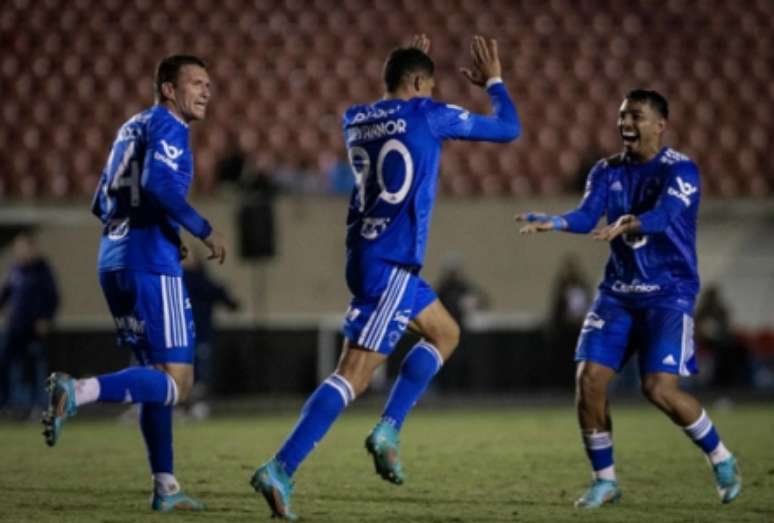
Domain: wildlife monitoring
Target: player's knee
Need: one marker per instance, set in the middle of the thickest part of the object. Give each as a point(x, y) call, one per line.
point(446, 337)
point(590, 387)
point(183, 383)
point(452, 335)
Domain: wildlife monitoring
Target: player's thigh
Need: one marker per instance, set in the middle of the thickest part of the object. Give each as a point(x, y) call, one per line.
point(605, 336)
point(666, 342)
point(152, 314)
point(381, 308)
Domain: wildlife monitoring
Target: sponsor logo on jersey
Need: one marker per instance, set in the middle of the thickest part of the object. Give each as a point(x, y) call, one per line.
point(683, 192)
point(672, 157)
point(118, 229)
point(374, 114)
point(171, 153)
point(616, 186)
point(635, 241)
point(592, 321)
point(373, 227)
point(635, 287)
point(130, 324)
point(375, 131)
point(402, 317)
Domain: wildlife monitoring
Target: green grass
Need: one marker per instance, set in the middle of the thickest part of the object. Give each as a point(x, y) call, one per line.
point(521, 464)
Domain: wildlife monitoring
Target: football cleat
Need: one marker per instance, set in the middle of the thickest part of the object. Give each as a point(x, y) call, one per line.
point(728, 480)
point(173, 502)
point(384, 446)
point(273, 482)
point(600, 492)
point(61, 405)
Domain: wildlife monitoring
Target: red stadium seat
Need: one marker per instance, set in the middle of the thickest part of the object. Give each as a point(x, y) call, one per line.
point(277, 63)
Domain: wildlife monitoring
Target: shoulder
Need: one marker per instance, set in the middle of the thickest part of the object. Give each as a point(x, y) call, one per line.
point(428, 105)
point(611, 161)
point(160, 120)
point(351, 114)
point(678, 163)
point(366, 113)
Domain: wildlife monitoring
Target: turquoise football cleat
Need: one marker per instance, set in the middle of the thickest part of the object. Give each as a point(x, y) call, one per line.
point(61, 405)
point(174, 502)
point(600, 492)
point(273, 482)
point(728, 480)
point(384, 446)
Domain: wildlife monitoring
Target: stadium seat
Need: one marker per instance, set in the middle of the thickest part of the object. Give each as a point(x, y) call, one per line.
point(567, 64)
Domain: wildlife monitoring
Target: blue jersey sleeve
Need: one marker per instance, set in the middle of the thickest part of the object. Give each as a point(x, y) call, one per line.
point(451, 122)
point(164, 183)
point(680, 193)
point(587, 214)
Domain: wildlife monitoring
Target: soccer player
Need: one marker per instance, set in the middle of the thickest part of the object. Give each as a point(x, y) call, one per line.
point(645, 302)
point(394, 146)
point(141, 201)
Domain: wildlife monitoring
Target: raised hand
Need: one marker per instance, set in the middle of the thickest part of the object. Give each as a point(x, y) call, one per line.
point(421, 42)
point(486, 62)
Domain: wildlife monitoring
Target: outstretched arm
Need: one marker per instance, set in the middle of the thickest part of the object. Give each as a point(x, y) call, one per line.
point(454, 122)
point(582, 219)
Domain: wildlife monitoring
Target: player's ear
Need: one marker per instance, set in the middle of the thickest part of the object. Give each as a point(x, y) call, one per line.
point(417, 83)
point(168, 90)
point(662, 123)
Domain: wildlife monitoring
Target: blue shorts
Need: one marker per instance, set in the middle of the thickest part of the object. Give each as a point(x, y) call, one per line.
point(152, 313)
point(663, 338)
point(385, 298)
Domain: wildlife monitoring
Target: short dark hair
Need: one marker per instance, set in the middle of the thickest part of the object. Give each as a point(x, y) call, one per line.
point(169, 68)
point(656, 100)
point(404, 61)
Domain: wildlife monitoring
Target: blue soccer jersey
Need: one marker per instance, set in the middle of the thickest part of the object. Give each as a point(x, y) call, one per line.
point(141, 195)
point(394, 149)
point(657, 266)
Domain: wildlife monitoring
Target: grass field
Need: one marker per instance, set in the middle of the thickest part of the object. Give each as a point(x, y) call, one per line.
point(520, 464)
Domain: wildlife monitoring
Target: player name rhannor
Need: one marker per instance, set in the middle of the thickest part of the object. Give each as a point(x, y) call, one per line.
point(375, 131)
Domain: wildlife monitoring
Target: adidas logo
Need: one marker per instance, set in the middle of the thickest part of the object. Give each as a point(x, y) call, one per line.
point(669, 360)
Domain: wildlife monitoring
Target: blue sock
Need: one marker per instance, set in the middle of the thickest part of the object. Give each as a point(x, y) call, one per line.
point(137, 385)
point(320, 411)
point(418, 368)
point(599, 449)
point(703, 433)
point(156, 426)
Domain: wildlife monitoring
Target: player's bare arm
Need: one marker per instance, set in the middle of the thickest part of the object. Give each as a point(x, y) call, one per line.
point(486, 61)
point(624, 224)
